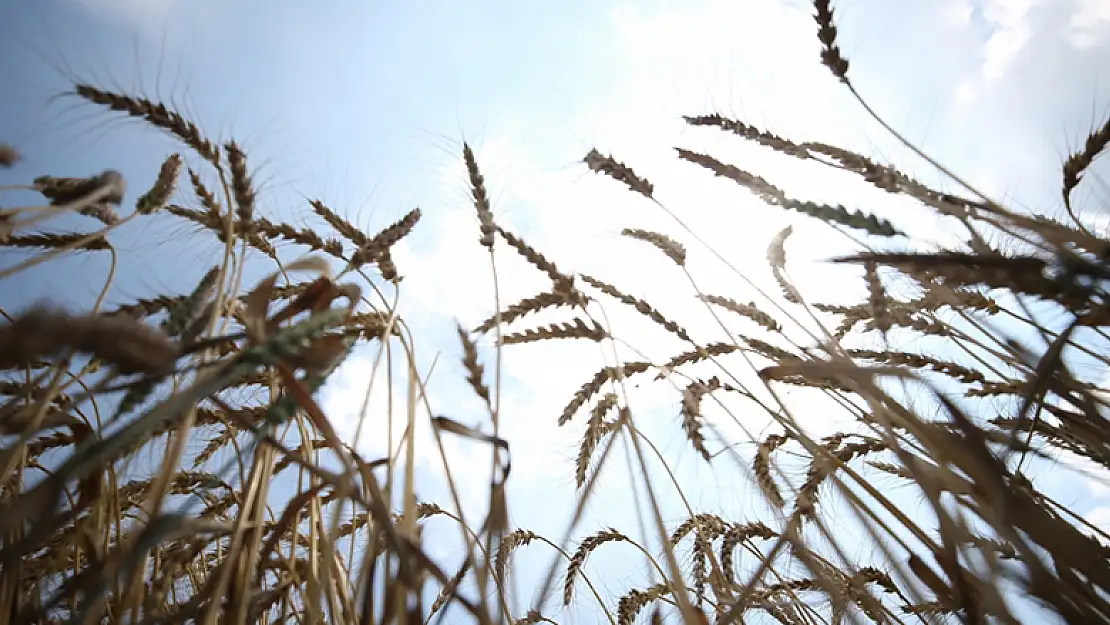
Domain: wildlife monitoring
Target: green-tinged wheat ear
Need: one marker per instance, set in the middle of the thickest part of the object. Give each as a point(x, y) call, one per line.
point(586, 547)
point(772, 195)
point(593, 387)
point(673, 249)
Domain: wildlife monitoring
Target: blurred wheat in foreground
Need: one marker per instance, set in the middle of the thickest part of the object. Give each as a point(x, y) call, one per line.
point(218, 384)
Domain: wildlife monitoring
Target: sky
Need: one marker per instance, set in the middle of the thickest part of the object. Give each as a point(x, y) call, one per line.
point(365, 105)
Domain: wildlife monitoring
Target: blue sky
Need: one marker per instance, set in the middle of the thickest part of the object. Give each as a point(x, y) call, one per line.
point(364, 106)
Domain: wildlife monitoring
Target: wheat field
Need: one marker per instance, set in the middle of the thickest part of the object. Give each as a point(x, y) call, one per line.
point(170, 460)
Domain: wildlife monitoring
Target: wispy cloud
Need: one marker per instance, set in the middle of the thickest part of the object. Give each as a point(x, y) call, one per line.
point(148, 16)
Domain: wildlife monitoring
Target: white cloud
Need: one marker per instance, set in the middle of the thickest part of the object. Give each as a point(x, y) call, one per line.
point(957, 13)
point(1090, 24)
point(1012, 30)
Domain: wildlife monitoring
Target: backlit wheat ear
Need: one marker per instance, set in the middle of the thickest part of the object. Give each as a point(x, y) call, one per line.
point(474, 370)
point(156, 114)
point(776, 257)
point(533, 617)
point(640, 305)
point(751, 133)
point(480, 197)
point(301, 236)
point(585, 548)
point(1019, 274)
point(543, 301)
point(618, 171)
point(163, 188)
point(9, 156)
point(697, 355)
point(596, 429)
point(630, 605)
point(921, 361)
point(242, 186)
point(577, 329)
point(877, 298)
point(826, 33)
point(109, 187)
point(215, 224)
point(691, 412)
point(561, 281)
point(376, 248)
point(774, 196)
point(748, 310)
point(130, 346)
point(1078, 162)
point(69, 240)
point(711, 524)
point(761, 467)
point(673, 249)
point(345, 228)
point(593, 387)
point(821, 467)
point(207, 198)
point(733, 537)
point(509, 543)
